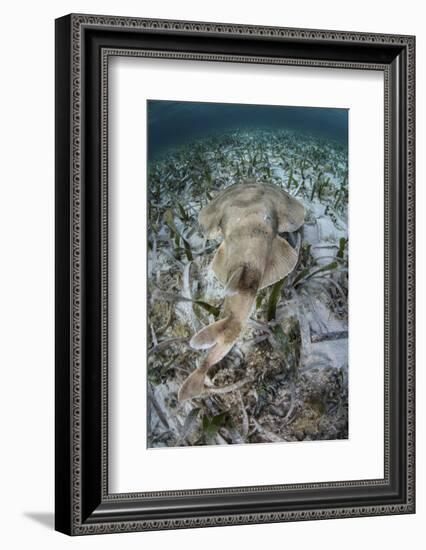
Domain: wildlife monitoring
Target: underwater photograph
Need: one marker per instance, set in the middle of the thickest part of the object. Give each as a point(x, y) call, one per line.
point(247, 277)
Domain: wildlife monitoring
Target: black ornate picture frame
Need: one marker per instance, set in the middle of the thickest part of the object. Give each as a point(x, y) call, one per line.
point(84, 43)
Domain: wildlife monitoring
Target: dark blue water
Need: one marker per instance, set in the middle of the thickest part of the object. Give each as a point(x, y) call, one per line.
point(174, 123)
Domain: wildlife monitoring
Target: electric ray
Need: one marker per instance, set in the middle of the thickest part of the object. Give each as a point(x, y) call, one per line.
point(252, 256)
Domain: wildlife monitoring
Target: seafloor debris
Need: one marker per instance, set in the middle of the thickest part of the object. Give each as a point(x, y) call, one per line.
point(286, 379)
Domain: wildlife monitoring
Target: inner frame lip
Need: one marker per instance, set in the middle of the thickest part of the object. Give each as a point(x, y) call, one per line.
point(106, 53)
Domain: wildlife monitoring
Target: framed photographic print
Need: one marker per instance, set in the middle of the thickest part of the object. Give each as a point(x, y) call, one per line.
point(234, 274)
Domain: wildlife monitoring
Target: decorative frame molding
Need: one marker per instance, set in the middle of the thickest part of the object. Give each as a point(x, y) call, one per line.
point(84, 43)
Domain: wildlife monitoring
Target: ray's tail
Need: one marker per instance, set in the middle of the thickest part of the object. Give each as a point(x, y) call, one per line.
point(219, 337)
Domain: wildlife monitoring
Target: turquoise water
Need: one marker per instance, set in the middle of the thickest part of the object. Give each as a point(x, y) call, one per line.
point(174, 123)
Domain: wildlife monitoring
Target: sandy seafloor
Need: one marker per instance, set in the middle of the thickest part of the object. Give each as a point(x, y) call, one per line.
point(286, 379)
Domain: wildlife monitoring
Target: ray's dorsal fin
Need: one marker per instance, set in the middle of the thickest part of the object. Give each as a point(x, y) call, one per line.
point(209, 335)
point(219, 264)
point(282, 261)
point(194, 384)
